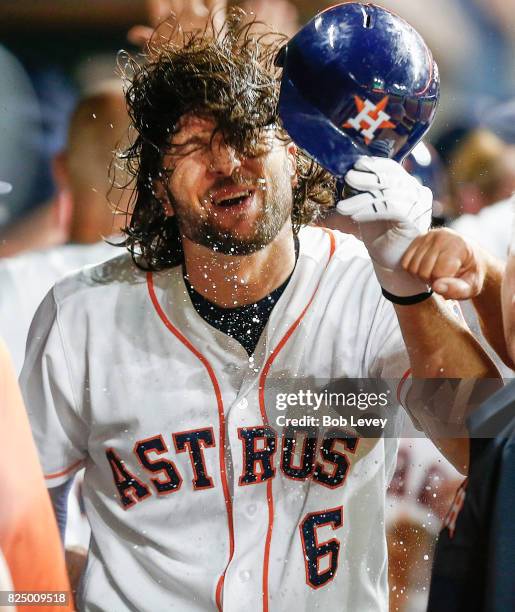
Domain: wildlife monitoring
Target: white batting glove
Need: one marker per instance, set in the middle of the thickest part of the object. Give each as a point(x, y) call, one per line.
point(392, 209)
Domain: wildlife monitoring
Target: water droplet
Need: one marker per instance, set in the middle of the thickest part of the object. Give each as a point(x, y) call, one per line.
point(244, 575)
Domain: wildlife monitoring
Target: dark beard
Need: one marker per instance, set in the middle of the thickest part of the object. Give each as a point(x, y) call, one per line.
point(267, 227)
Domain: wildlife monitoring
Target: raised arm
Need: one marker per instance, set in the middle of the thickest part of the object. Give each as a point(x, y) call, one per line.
point(163, 17)
point(393, 209)
point(459, 269)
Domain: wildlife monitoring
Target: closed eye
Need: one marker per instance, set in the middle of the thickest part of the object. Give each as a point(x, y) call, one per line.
point(193, 144)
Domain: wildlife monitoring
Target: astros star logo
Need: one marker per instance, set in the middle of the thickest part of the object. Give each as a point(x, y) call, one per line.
point(370, 118)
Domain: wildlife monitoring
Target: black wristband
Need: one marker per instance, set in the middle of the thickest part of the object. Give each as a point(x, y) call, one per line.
point(409, 299)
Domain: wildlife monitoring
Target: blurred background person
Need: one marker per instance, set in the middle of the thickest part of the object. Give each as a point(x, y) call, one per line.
point(88, 168)
point(26, 139)
point(418, 498)
point(78, 207)
point(281, 15)
point(482, 173)
point(82, 173)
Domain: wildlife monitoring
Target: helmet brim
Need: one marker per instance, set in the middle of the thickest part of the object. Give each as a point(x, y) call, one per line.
point(314, 133)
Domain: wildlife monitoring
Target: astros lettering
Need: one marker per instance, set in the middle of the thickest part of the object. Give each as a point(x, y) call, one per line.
point(259, 446)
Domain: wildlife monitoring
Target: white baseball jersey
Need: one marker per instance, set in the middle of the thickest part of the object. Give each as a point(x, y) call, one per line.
point(24, 282)
point(490, 228)
point(27, 278)
point(194, 501)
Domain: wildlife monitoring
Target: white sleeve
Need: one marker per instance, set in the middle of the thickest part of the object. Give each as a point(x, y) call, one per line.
point(52, 404)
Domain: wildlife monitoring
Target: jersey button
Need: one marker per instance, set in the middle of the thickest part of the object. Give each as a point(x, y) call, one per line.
point(244, 575)
point(251, 509)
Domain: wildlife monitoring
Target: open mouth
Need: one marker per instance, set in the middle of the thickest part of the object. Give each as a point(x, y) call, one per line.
point(229, 200)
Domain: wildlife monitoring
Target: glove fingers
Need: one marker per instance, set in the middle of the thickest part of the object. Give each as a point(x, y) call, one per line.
point(377, 165)
point(387, 172)
point(358, 203)
point(422, 213)
point(385, 204)
point(367, 217)
point(362, 181)
point(373, 204)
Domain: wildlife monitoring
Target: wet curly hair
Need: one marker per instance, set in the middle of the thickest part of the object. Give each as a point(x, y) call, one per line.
point(228, 76)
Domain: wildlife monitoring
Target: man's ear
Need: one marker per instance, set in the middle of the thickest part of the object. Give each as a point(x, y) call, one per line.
point(291, 152)
point(162, 196)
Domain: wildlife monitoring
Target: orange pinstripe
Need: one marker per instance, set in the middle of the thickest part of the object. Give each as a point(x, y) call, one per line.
point(262, 381)
point(69, 469)
point(404, 378)
point(221, 416)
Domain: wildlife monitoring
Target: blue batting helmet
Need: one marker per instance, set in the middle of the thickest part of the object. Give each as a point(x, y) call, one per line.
point(357, 80)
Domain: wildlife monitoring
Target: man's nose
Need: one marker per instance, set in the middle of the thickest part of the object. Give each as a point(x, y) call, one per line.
point(224, 159)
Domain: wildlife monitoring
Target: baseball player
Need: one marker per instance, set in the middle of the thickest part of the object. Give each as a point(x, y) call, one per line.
point(150, 370)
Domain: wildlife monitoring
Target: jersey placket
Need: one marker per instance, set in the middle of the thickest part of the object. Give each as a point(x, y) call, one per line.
point(247, 576)
point(244, 583)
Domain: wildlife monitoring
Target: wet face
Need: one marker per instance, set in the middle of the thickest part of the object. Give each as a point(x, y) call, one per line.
point(224, 201)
